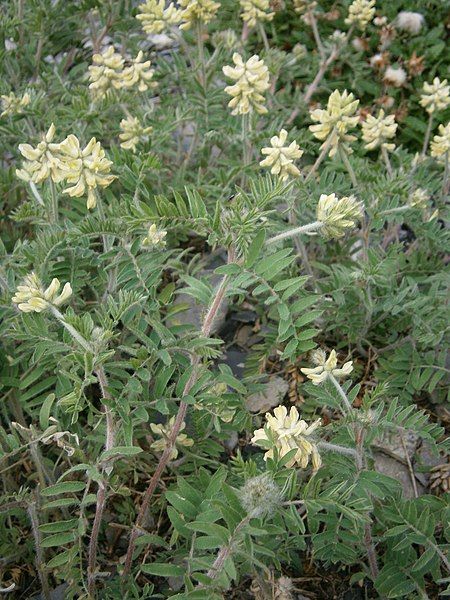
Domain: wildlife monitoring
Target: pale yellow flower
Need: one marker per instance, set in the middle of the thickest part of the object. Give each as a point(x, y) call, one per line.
point(326, 367)
point(419, 199)
point(436, 95)
point(155, 237)
point(193, 11)
point(440, 144)
point(361, 12)
point(303, 6)
point(255, 11)
point(32, 297)
point(377, 130)
point(156, 17)
point(138, 73)
point(280, 157)
point(106, 72)
point(13, 105)
point(337, 215)
point(252, 80)
point(86, 169)
point(336, 120)
point(164, 431)
point(132, 133)
point(41, 162)
point(287, 432)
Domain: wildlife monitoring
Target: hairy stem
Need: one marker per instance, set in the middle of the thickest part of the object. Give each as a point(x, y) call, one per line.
point(39, 559)
point(54, 213)
point(426, 139)
point(348, 165)
point(263, 35)
point(314, 226)
point(385, 155)
point(341, 392)
point(208, 323)
point(323, 153)
point(315, 30)
point(101, 492)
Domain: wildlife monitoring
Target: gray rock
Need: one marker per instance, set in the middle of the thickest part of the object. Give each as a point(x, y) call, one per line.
point(272, 395)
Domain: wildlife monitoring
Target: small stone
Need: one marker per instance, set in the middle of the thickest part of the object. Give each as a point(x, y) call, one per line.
point(272, 395)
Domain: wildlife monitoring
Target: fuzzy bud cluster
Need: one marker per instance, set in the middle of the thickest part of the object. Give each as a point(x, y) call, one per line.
point(260, 496)
point(155, 237)
point(377, 130)
point(32, 297)
point(411, 22)
point(337, 214)
point(252, 80)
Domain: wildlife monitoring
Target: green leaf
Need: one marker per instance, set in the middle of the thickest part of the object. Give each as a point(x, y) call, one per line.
point(59, 539)
point(163, 570)
point(255, 248)
point(120, 451)
point(65, 487)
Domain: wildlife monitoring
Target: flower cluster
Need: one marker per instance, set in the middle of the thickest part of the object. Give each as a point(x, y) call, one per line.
point(193, 11)
point(164, 431)
point(156, 17)
point(337, 215)
point(85, 168)
point(43, 161)
point(12, 104)
point(32, 297)
point(419, 199)
point(108, 72)
point(252, 80)
point(326, 367)
point(377, 130)
point(335, 120)
point(138, 74)
point(287, 432)
point(255, 11)
point(303, 6)
point(280, 158)
point(361, 12)
point(132, 133)
point(440, 144)
point(155, 237)
point(436, 96)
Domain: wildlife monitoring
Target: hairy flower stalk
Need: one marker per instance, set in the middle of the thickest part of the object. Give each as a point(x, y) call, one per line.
point(206, 328)
point(334, 217)
point(156, 17)
point(285, 432)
